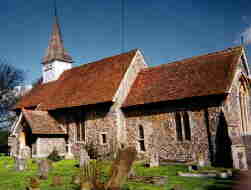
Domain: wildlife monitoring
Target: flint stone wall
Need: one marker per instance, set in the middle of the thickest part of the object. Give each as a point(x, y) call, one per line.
point(97, 120)
point(248, 149)
point(158, 122)
point(105, 119)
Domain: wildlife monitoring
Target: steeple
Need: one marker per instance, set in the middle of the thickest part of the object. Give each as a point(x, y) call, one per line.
point(56, 49)
point(56, 60)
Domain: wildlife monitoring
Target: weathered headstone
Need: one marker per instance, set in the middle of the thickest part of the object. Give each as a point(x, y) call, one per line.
point(25, 152)
point(201, 159)
point(159, 180)
point(57, 180)
point(44, 168)
point(22, 159)
point(20, 164)
point(75, 180)
point(201, 163)
point(229, 173)
point(34, 184)
point(83, 157)
point(223, 175)
point(154, 159)
point(86, 186)
point(132, 173)
point(121, 167)
point(177, 187)
point(192, 168)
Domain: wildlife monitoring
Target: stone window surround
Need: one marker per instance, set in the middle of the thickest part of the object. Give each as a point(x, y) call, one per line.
point(101, 140)
point(244, 103)
point(141, 137)
point(183, 129)
point(80, 124)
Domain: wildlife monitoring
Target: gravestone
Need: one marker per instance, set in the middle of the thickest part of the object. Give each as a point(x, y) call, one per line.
point(177, 187)
point(20, 164)
point(69, 155)
point(121, 168)
point(83, 157)
point(44, 168)
point(154, 159)
point(132, 173)
point(201, 161)
point(192, 168)
point(86, 186)
point(57, 180)
point(34, 184)
point(75, 180)
point(22, 159)
point(25, 152)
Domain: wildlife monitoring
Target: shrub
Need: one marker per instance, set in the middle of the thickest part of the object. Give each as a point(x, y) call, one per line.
point(54, 156)
point(2, 154)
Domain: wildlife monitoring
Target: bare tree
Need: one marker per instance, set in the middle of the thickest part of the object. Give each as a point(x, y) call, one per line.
point(10, 77)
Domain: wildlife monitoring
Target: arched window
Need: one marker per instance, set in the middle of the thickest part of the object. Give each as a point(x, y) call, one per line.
point(141, 132)
point(243, 100)
point(183, 129)
point(141, 139)
point(80, 127)
point(178, 126)
point(187, 128)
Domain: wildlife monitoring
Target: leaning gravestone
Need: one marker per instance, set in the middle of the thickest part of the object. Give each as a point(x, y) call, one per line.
point(44, 168)
point(83, 157)
point(121, 168)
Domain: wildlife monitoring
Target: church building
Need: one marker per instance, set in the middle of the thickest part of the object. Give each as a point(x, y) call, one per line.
point(196, 108)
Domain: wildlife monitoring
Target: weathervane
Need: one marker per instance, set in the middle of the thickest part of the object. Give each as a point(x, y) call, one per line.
point(55, 8)
point(242, 40)
point(122, 26)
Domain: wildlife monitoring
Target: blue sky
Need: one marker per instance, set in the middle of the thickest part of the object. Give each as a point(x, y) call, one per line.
point(165, 30)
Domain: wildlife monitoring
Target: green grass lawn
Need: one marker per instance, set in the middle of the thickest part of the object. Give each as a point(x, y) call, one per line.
point(12, 180)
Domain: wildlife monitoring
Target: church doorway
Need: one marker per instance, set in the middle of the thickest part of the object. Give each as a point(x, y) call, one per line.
point(223, 157)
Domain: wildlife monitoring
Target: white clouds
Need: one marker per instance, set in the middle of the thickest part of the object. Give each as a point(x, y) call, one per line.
point(247, 35)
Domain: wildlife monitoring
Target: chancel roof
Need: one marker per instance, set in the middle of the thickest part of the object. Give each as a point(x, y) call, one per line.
point(209, 74)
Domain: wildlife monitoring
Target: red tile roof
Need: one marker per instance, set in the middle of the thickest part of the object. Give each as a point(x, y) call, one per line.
point(88, 84)
point(41, 122)
point(204, 75)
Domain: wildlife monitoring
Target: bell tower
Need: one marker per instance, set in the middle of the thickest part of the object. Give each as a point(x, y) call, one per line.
point(56, 59)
